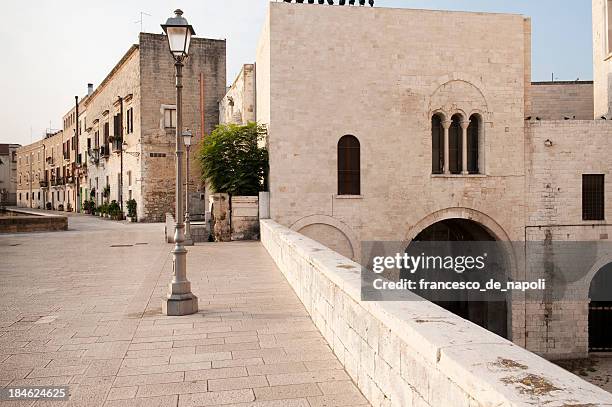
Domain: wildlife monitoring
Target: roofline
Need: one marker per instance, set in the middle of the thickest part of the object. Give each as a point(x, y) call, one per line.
point(113, 71)
point(277, 4)
point(563, 83)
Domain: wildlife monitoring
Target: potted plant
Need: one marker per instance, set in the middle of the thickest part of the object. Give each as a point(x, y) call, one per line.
point(114, 210)
point(48, 206)
point(131, 207)
point(60, 207)
point(102, 210)
point(86, 207)
point(68, 207)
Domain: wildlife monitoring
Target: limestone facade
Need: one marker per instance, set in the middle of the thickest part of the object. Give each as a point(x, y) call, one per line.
point(561, 100)
point(238, 104)
point(368, 81)
point(602, 56)
point(8, 174)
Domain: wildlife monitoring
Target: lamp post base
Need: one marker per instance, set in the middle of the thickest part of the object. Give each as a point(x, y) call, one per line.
point(180, 304)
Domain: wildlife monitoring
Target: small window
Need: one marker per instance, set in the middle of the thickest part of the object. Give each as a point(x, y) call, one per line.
point(455, 145)
point(349, 166)
point(437, 144)
point(129, 177)
point(169, 118)
point(130, 120)
point(593, 197)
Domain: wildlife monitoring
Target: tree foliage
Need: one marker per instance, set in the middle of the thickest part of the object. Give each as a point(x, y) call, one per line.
point(232, 160)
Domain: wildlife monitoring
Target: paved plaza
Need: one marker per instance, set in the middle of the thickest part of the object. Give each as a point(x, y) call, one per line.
point(83, 308)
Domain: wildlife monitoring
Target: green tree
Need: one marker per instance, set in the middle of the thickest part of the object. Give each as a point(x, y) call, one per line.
point(233, 161)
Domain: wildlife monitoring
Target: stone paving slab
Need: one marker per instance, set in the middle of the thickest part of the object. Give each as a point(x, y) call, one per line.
point(83, 308)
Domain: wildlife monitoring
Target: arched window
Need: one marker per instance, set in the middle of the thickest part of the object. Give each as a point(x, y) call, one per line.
point(437, 144)
point(455, 152)
point(349, 166)
point(473, 140)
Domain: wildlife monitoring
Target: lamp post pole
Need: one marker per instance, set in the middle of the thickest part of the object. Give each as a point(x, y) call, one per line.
point(188, 239)
point(180, 299)
point(121, 155)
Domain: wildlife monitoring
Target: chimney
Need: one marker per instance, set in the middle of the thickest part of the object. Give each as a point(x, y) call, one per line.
point(89, 89)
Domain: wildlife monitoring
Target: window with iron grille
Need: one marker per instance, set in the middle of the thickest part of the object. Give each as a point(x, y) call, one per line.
point(593, 197)
point(349, 166)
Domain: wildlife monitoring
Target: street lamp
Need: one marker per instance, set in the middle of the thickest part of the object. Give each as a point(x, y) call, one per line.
point(180, 299)
point(187, 140)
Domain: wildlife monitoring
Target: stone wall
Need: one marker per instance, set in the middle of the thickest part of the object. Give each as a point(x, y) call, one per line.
point(204, 69)
point(414, 353)
point(245, 217)
point(384, 90)
point(238, 104)
point(34, 223)
point(559, 153)
point(557, 100)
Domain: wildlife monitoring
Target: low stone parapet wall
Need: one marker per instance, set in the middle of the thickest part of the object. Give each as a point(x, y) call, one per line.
point(28, 222)
point(414, 353)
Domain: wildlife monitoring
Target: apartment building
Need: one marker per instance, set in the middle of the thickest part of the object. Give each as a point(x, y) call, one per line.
point(8, 174)
point(121, 144)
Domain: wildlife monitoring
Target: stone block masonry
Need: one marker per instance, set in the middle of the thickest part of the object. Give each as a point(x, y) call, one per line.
point(414, 353)
point(206, 63)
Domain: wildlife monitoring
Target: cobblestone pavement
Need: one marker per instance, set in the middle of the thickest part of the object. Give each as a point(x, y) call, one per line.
point(83, 308)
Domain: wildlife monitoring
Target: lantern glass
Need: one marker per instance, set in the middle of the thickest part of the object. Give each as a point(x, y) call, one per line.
point(178, 40)
point(187, 138)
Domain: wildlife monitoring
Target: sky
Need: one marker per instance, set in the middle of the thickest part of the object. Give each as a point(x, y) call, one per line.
point(52, 49)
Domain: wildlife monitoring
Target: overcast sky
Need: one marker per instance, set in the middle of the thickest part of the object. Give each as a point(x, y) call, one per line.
point(52, 49)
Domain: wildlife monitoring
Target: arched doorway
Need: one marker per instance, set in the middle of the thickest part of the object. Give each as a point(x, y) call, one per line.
point(600, 311)
point(491, 315)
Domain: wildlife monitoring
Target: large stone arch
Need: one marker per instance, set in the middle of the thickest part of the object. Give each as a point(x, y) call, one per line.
point(496, 315)
point(455, 95)
point(458, 213)
point(330, 232)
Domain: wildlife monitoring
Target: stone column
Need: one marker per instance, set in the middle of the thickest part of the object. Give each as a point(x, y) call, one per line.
point(446, 124)
point(464, 153)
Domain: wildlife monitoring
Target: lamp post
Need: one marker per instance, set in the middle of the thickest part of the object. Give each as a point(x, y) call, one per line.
point(180, 299)
point(187, 140)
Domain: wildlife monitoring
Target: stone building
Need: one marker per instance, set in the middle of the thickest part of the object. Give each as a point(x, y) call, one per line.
point(46, 171)
point(373, 137)
point(126, 128)
point(8, 174)
point(238, 104)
